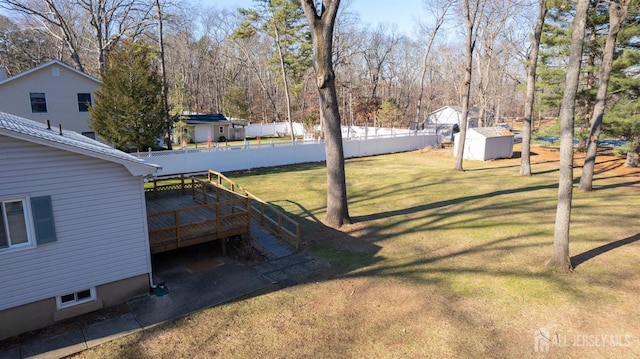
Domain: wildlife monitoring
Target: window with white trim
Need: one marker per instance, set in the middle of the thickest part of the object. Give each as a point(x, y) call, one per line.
point(26, 221)
point(221, 129)
point(16, 230)
point(75, 298)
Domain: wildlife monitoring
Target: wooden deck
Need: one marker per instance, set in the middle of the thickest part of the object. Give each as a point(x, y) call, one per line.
point(178, 220)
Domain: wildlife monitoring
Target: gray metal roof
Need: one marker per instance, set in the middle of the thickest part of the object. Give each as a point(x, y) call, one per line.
point(497, 131)
point(205, 119)
point(35, 132)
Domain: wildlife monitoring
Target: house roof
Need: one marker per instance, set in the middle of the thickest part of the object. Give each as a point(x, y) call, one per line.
point(216, 118)
point(35, 132)
point(497, 131)
point(473, 111)
point(45, 65)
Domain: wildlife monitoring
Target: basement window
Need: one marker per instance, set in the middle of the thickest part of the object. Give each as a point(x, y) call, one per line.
point(75, 298)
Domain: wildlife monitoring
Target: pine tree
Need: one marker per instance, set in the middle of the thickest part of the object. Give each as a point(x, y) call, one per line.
point(129, 108)
point(284, 22)
point(236, 103)
point(388, 113)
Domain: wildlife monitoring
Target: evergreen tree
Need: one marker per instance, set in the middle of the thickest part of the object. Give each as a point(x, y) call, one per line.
point(552, 65)
point(388, 113)
point(236, 103)
point(284, 22)
point(623, 118)
point(129, 108)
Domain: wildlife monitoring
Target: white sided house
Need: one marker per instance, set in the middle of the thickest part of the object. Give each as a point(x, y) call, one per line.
point(452, 115)
point(52, 91)
point(486, 143)
point(73, 225)
point(211, 128)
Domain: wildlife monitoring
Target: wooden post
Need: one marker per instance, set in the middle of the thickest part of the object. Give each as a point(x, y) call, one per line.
point(248, 215)
point(297, 236)
point(176, 220)
point(155, 188)
point(204, 193)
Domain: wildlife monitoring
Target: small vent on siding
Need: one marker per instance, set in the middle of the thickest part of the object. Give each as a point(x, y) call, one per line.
point(55, 71)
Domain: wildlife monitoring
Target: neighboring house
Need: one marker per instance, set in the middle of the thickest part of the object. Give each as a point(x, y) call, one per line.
point(53, 91)
point(73, 225)
point(448, 116)
point(486, 143)
point(213, 127)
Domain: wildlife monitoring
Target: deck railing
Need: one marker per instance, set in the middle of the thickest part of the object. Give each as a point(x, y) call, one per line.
point(267, 214)
point(185, 227)
point(171, 183)
point(217, 184)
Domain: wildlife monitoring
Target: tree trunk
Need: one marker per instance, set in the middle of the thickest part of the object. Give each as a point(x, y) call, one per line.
point(525, 157)
point(617, 14)
point(285, 81)
point(322, 33)
point(425, 58)
point(560, 255)
point(163, 73)
point(470, 17)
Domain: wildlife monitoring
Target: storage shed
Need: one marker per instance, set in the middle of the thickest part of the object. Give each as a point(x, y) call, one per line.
point(486, 143)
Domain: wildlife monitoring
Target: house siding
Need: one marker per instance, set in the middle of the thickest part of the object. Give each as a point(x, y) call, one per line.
point(61, 95)
point(100, 220)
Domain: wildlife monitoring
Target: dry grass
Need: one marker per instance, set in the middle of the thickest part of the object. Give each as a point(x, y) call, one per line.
point(437, 264)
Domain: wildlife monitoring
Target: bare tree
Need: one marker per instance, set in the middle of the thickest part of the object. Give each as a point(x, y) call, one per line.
point(322, 24)
point(439, 9)
point(525, 160)
point(473, 10)
point(380, 45)
point(163, 75)
point(55, 19)
point(70, 21)
point(560, 255)
point(617, 14)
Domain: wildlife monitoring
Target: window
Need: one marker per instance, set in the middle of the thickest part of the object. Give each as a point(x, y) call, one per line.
point(84, 102)
point(221, 129)
point(38, 102)
point(24, 223)
point(75, 298)
point(15, 228)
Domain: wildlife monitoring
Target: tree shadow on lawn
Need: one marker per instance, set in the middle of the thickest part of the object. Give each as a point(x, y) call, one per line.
point(448, 202)
point(592, 253)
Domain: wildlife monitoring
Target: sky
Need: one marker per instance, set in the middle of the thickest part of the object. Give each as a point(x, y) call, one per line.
point(399, 12)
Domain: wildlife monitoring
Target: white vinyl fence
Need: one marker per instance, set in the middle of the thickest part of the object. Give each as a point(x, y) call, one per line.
point(224, 159)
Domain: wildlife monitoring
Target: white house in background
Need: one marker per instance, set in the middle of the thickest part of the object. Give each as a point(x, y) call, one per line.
point(52, 91)
point(486, 143)
point(73, 229)
point(452, 115)
point(211, 127)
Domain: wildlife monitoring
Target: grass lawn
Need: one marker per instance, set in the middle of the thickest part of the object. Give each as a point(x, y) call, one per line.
point(438, 263)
